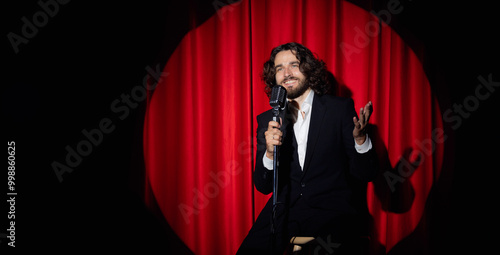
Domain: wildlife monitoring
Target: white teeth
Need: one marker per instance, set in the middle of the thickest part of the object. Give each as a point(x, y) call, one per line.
point(288, 82)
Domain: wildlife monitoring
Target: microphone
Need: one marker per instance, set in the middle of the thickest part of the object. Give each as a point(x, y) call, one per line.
point(277, 100)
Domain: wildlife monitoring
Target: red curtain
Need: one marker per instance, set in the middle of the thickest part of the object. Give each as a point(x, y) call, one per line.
point(200, 125)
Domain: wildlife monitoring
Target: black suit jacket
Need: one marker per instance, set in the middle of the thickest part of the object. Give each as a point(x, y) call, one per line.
point(333, 169)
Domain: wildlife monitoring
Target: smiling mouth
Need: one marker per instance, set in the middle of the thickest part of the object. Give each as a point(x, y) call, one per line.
point(289, 82)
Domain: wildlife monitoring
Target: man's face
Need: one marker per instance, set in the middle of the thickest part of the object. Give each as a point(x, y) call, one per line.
point(289, 75)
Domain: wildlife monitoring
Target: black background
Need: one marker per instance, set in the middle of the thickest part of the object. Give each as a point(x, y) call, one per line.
point(66, 77)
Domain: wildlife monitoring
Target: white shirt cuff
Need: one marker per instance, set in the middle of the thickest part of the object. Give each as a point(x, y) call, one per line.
point(363, 148)
point(268, 163)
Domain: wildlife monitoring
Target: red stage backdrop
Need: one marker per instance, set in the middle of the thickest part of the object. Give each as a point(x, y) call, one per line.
point(199, 131)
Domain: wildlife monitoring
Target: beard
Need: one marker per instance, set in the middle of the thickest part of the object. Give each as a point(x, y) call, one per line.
point(297, 91)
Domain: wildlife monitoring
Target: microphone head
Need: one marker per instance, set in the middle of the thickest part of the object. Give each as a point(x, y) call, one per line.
point(278, 97)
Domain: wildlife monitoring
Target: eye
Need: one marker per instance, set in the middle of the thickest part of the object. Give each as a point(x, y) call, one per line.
point(279, 69)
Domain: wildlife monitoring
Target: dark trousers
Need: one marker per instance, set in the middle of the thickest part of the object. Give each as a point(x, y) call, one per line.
point(333, 232)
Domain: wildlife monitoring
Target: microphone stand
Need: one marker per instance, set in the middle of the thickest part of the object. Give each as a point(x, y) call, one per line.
point(278, 103)
point(276, 113)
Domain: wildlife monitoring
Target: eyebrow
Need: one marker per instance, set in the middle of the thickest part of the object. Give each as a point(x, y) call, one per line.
point(290, 63)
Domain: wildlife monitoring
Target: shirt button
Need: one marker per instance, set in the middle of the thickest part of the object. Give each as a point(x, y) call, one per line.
point(302, 184)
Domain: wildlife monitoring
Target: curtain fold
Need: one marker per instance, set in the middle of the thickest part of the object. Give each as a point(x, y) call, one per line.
point(200, 124)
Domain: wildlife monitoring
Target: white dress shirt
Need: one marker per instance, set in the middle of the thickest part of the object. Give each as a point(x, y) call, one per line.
point(301, 130)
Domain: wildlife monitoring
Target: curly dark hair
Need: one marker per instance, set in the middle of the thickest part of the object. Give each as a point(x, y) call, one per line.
point(313, 68)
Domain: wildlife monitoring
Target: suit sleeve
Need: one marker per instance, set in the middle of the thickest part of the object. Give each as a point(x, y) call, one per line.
point(363, 166)
point(262, 177)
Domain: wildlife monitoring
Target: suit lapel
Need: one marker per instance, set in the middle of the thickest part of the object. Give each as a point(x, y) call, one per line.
point(287, 122)
point(317, 115)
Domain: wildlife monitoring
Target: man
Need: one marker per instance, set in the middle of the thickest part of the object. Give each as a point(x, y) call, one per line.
point(326, 158)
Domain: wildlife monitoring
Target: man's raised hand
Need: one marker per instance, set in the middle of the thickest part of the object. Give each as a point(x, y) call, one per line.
point(360, 125)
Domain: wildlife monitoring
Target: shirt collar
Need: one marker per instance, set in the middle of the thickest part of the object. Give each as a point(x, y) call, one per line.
point(307, 104)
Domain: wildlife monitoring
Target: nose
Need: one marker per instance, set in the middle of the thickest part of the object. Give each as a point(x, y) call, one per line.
point(287, 72)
